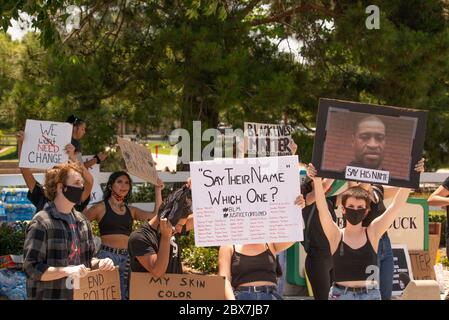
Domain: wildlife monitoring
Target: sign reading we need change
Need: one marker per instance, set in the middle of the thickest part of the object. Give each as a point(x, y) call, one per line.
point(264, 140)
point(241, 201)
point(44, 144)
point(138, 159)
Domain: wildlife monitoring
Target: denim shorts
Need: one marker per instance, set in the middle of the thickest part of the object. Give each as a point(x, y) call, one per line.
point(347, 294)
point(122, 261)
point(257, 295)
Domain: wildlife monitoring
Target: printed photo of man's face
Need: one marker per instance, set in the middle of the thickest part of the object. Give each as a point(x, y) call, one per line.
point(369, 143)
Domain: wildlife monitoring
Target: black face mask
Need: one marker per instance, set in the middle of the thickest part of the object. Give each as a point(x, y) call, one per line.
point(73, 194)
point(354, 216)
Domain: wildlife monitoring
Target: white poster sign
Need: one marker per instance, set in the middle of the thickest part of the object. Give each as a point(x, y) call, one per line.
point(44, 144)
point(251, 200)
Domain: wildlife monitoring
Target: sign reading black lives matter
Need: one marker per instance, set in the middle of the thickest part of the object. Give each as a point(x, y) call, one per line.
point(44, 144)
point(251, 200)
point(369, 143)
point(402, 265)
point(264, 140)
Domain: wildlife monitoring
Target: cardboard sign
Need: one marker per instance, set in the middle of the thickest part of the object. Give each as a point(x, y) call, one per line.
point(96, 194)
point(422, 290)
point(422, 265)
point(99, 285)
point(402, 265)
point(238, 201)
point(264, 140)
point(138, 159)
point(143, 286)
point(44, 144)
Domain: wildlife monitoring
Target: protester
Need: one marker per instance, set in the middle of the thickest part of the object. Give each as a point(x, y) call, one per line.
point(36, 192)
point(354, 248)
point(440, 198)
point(251, 270)
point(155, 247)
point(59, 243)
point(79, 130)
point(115, 221)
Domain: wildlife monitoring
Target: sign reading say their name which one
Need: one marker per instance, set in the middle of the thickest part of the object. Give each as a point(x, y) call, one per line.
point(96, 194)
point(44, 144)
point(98, 285)
point(251, 200)
point(143, 286)
point(268, 139)
point(138, 159)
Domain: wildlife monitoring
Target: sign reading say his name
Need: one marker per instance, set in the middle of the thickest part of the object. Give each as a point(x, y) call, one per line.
point(268, 139)
point(251, 200)
point(138, 159)
point(143, 286)
point(367, 175)
point(44, 144)
point(98, 285)
point(96, 193)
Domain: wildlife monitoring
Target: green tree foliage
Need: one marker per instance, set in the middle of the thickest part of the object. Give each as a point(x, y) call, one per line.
point(219, 60)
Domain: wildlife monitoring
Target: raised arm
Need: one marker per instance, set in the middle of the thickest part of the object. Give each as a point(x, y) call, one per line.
point(142, 215)
point(330, 228)
point(26, 173)
point(381, 224)
point(224, 270)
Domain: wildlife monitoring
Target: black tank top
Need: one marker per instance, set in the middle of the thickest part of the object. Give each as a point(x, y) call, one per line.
point(113, 223)
point(351, 264)
point(261, 267)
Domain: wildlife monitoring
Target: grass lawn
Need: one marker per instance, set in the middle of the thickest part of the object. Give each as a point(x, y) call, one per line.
point(9, 154)
point(164, 147)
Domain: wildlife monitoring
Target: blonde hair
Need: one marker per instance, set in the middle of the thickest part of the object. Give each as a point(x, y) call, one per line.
point(58, 174)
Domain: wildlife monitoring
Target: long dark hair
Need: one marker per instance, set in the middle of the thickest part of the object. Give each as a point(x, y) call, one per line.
point(107, 193)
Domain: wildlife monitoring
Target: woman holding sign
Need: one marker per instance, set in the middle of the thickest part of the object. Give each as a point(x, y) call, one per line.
point(251, 270)
point(115, 221)
point(354, 248)
point(36, 192)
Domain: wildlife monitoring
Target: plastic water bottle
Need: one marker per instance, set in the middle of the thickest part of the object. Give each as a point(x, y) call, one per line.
point(3, 217)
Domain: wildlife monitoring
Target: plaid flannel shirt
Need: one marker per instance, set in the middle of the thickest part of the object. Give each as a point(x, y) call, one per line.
point(47, 244)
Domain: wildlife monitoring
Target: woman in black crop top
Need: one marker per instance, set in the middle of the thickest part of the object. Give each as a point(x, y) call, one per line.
point(115, 220)
point(251, 270)
point(354, 248)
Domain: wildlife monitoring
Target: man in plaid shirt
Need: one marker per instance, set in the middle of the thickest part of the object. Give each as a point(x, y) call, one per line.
point(59, 243)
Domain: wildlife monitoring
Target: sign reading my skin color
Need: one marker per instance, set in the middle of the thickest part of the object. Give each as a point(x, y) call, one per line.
point(138, 159)
point(241, 201)
point(401, 260)
point(268, 139)
point(44, 144)
point(143, 286)
point(367, 175)
point(96, 193)
point(99, 285)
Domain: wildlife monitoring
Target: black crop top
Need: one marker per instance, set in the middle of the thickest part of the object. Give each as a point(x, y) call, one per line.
point(114, 223)
point(352, 264)
point(261, 267)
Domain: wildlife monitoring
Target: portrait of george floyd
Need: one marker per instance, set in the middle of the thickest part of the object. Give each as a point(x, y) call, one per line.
point(370, 143)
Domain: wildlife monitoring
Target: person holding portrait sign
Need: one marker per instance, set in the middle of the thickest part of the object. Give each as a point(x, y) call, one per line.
point(59, 244)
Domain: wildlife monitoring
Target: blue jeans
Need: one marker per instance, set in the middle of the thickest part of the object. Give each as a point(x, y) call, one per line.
point(250, 295)
point(123, 262)
point(283, 262)
point(345, 294)
point(386, 267)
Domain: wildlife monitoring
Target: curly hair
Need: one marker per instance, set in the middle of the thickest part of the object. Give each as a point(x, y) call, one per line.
point(107, 192)
point(58, 174)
